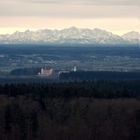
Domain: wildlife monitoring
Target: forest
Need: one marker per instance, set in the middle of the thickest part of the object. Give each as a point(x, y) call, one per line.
point(100, 75)
point(86, 110)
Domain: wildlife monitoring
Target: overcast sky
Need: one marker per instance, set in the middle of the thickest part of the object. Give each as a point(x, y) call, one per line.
point(118, 16)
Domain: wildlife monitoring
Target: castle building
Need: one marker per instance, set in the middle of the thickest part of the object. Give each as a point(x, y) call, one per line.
point(45, 72)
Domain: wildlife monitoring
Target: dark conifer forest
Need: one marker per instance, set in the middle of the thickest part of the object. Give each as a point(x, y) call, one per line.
point(88, 110)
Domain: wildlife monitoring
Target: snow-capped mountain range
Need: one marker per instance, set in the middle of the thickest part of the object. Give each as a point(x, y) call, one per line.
point(70, 35)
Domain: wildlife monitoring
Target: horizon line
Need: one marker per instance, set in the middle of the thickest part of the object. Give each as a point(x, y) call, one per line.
point(10, 31)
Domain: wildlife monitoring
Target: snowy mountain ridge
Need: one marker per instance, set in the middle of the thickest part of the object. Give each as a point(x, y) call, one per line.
point(70, 35)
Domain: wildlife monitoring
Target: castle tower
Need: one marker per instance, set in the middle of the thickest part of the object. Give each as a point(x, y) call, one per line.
point(75, 69)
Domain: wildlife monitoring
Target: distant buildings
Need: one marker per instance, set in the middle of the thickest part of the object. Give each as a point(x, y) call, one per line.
point(74, 69)
point(45, 72)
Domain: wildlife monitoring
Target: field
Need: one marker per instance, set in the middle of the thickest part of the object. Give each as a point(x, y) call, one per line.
point(93, 58)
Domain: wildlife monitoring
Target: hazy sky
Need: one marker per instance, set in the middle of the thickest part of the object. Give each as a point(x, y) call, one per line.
point(118, 16)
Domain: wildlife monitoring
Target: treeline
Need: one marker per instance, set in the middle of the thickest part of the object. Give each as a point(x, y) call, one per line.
point(100, 75)
point(25, 71)
point(95, 89)
point(94, 110)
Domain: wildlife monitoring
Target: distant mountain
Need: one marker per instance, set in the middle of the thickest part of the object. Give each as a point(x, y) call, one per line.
point(133, 37)
point(71, 35)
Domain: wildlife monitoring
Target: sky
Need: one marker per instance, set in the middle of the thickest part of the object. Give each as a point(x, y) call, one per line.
point(117, 16)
